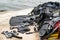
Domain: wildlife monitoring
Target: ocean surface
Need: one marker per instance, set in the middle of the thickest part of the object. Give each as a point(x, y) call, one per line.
point(21, 4)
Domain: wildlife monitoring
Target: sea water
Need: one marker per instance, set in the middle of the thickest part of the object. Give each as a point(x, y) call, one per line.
point(20, 4)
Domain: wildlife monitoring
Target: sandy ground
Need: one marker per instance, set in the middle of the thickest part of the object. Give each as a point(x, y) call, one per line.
point(4, 24)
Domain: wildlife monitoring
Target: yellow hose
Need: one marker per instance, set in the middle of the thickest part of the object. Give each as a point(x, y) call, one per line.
point(53, 36)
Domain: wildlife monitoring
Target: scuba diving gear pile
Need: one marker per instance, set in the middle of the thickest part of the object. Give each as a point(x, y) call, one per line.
point(51, 14)
point(44, 17)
